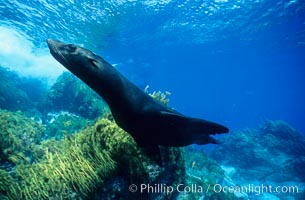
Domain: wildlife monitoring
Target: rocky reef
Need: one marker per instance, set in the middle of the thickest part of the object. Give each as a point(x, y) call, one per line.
point(64, 124)
point(72, 95)
point(203, 175)
point(67, 94)
point(273, 154)
point(16, 93)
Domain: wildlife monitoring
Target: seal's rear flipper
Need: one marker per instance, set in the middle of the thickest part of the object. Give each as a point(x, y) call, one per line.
point(201, 126)
point(194, 125)
point(201, 131)
point(198, 130)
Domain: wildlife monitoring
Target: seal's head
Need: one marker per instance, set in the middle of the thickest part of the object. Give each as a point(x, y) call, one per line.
point(74, 58)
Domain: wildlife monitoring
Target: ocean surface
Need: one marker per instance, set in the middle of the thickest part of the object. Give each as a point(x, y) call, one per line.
point(235, 62)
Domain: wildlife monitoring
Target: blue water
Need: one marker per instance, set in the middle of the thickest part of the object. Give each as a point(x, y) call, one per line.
point(235, 62)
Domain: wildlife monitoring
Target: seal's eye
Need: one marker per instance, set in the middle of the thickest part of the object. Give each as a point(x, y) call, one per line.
point(70, 47)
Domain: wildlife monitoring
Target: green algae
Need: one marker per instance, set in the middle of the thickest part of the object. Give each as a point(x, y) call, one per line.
point(59, 169)
point(18, 134)
point(71, 169)
point(158, 95)
point(78, 165)
point(6, 181)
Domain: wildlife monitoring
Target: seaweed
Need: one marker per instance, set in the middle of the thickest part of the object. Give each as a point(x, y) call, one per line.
point(78, 165)
point(158, 95)
point(6, 181)
point(18, 134)
point(72, 168)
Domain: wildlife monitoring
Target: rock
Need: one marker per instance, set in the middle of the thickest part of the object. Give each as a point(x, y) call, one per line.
point(275, 151)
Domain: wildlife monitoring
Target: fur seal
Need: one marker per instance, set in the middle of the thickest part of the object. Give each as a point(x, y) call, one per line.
point(148, 121)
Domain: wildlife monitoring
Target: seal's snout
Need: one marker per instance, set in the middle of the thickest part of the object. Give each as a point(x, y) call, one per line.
point(49, 41)
point(54, 43)
point(56, 50)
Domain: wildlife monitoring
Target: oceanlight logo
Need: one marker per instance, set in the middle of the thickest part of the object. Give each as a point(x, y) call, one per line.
point(255, 189)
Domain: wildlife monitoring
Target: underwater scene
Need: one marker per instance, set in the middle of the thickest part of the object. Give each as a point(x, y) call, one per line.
point(152, 99)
